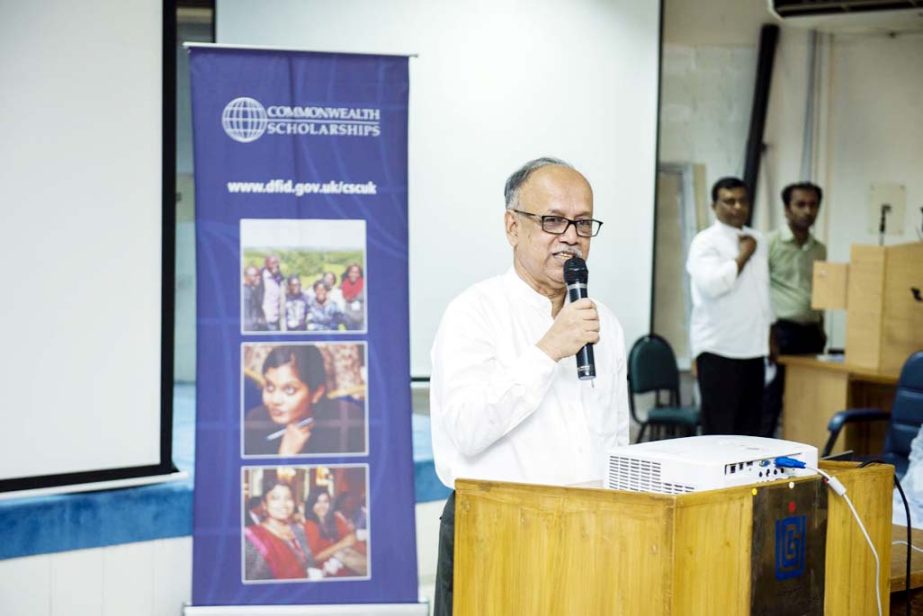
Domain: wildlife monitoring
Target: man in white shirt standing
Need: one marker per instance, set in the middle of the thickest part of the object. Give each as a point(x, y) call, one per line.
point(729, 334)
point(505, 400)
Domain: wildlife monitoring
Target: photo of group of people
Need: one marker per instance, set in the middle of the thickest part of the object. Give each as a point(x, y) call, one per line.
point(305, 523)
point(302, 399)
point(302, 276)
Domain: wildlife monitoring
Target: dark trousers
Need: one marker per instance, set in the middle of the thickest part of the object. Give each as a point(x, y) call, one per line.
point(445, 562)
point(732, 394)
point(791, 339)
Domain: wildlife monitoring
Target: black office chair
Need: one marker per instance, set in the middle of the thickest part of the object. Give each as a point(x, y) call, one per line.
point(652, 368)
point(905, 418)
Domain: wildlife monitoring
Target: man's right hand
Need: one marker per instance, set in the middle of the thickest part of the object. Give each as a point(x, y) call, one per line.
point(576, 325)
point(747, 248)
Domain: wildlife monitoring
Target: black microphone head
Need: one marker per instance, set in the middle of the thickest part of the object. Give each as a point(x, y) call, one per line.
point(575, 271)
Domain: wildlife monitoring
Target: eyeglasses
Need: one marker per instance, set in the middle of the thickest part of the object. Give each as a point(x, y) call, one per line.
point(558, 225)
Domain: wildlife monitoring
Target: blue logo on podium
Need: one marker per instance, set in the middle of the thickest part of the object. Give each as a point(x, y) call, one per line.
point(790, 547)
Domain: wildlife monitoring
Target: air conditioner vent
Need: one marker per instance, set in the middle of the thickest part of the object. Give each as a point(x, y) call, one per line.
point(799, 8)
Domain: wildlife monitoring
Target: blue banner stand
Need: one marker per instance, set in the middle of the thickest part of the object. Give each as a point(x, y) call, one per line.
point(304, 478)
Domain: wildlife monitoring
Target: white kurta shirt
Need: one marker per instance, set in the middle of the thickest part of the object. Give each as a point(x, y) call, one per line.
point(730, 311)
point(503, 410)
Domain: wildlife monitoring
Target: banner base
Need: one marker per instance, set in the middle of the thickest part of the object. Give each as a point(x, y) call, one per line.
point(359, 609)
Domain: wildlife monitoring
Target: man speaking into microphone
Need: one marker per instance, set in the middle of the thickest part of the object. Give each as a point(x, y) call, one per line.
point(506, 400)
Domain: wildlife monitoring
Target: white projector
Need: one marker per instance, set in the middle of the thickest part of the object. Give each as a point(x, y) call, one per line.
point(697, 463)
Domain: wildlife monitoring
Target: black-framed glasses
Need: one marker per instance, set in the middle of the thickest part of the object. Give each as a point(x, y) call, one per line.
point(558, 225)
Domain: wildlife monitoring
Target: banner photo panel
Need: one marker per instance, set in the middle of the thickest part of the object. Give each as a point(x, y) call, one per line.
point(303, 433)
point(331, 539)
point(318, 256)
point(304, 399)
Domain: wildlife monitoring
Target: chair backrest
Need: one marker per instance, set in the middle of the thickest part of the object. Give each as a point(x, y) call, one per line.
point(652, 366)
point(907, 412)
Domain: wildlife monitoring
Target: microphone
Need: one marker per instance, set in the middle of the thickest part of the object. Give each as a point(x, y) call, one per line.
point(575, 277)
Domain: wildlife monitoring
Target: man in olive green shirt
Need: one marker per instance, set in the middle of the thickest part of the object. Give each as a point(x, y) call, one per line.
point(798, 330)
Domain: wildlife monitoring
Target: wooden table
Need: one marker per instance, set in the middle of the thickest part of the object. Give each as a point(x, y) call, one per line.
point(899, 568)
point(815, 389)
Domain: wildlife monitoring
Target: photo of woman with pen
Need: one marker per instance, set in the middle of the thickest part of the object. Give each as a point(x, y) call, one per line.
point(303, 411)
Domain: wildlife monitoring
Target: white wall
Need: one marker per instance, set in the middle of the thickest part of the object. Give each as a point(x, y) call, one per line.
point(706, 96)
point(875, 134)
point(149, 578)
point(496, 84)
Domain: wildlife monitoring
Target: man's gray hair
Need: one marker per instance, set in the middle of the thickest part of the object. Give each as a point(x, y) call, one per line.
point(519, 177)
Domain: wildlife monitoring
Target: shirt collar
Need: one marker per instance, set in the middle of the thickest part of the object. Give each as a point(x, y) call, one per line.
point(786, 235)
point(521, 289)
point(729, 230)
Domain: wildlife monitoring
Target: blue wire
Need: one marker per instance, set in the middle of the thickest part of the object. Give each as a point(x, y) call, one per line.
point(786, 462)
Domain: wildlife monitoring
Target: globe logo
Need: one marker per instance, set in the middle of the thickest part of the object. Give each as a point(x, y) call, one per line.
point(244, 119)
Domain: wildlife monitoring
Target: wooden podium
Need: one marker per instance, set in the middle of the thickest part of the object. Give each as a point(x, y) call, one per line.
point(884, 318)
point(530, 549)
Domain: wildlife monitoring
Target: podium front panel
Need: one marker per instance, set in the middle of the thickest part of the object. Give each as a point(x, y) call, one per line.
point(531, 549)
